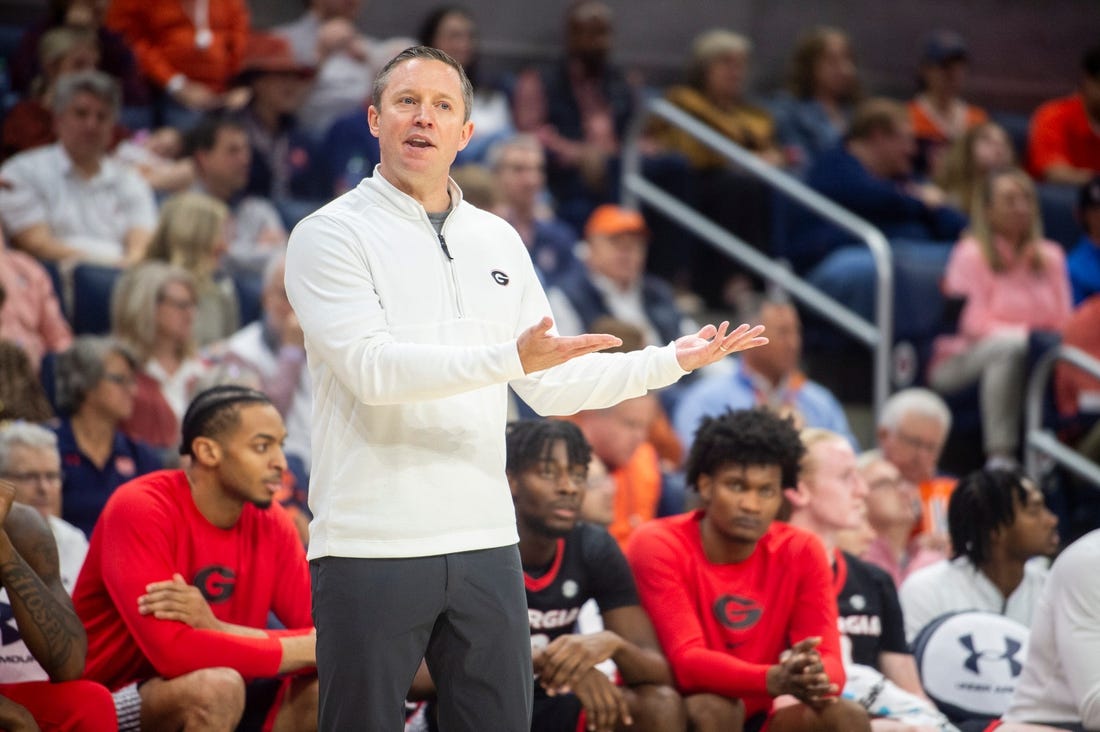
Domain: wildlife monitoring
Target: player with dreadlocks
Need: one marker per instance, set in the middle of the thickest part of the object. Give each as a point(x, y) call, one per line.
point(183, 569)
point(566, 562)
point(998, 521)
point(744, 605)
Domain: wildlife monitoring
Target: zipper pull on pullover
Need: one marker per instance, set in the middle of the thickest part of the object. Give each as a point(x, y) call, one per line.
point(443, 243)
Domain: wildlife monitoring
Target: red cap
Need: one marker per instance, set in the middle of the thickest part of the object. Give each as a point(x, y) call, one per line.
point(610, 219)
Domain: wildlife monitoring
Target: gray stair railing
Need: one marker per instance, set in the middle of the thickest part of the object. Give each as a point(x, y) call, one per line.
point(877, 335)
point(1039, 441)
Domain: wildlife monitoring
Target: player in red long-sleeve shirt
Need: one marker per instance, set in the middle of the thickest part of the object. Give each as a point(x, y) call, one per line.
point(182, 571)
point(744, 607)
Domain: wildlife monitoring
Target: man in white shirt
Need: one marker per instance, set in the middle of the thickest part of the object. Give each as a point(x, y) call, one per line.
point(30, 460)
point(1060, 682)
point(69, 200)
point(998, 521)
point(418, 311)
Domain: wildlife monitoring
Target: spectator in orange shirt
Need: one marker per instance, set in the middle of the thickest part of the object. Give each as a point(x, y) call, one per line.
point(938, 112)
point(618, 438)
point(911, 433)
point(189, 48)
point(1064, 139)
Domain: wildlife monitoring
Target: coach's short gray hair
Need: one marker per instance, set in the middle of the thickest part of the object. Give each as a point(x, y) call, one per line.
point(432, 54)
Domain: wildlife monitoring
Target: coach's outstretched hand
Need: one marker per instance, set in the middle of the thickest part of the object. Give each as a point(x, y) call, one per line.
point(712, 344)
point(539, 349)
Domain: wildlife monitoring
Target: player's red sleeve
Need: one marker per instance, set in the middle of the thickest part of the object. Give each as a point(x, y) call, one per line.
point(140, 552)
point(291, 603)
point(660, 571)
point(815, 612)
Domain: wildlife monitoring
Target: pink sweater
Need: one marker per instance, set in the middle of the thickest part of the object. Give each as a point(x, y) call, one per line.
point(31, 315)
point(1014, 299)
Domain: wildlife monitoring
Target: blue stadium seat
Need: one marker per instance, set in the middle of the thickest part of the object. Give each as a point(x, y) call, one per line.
point(10, 35)
point(92, 288)
point(1056, 207)
point(1015, 125)
point(47, 376)
point(55, 278)
point(136, 117)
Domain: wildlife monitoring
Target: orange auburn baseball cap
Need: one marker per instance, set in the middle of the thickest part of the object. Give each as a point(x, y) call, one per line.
point(609, 219)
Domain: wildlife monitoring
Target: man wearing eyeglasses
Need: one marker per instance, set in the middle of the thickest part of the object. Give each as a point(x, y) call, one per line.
point(911, 433)
point(30, 461)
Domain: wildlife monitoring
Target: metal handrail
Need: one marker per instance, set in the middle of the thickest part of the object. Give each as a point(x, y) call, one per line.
point(1039, 440)
point(877, 335)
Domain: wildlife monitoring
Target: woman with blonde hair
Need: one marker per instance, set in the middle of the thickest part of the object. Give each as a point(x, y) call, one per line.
point(191, 235)
point(153, 313)
point(972, 157)
point(1012, 282)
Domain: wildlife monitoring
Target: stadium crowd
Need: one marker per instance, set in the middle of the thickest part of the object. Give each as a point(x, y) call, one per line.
point(719, 554)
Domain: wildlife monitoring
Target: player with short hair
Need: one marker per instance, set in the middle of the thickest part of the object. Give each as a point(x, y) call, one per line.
point(744, 606)
point(183, 570)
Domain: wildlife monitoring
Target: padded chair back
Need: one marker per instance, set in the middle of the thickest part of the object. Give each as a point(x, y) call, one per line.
point(92, 288)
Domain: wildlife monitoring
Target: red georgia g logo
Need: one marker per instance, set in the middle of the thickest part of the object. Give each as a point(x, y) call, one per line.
point(737, 613)
point(216, 583)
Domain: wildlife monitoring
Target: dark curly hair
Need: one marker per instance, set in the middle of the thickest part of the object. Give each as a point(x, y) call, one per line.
point(745, 437)
point(530, 441)
point(981, 503)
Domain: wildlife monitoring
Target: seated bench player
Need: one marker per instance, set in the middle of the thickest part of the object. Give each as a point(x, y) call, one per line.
point(184, 569)
point(744, 606)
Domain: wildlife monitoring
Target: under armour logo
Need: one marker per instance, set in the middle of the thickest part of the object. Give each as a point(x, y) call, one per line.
point(1012, 647)
point(500, 277)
